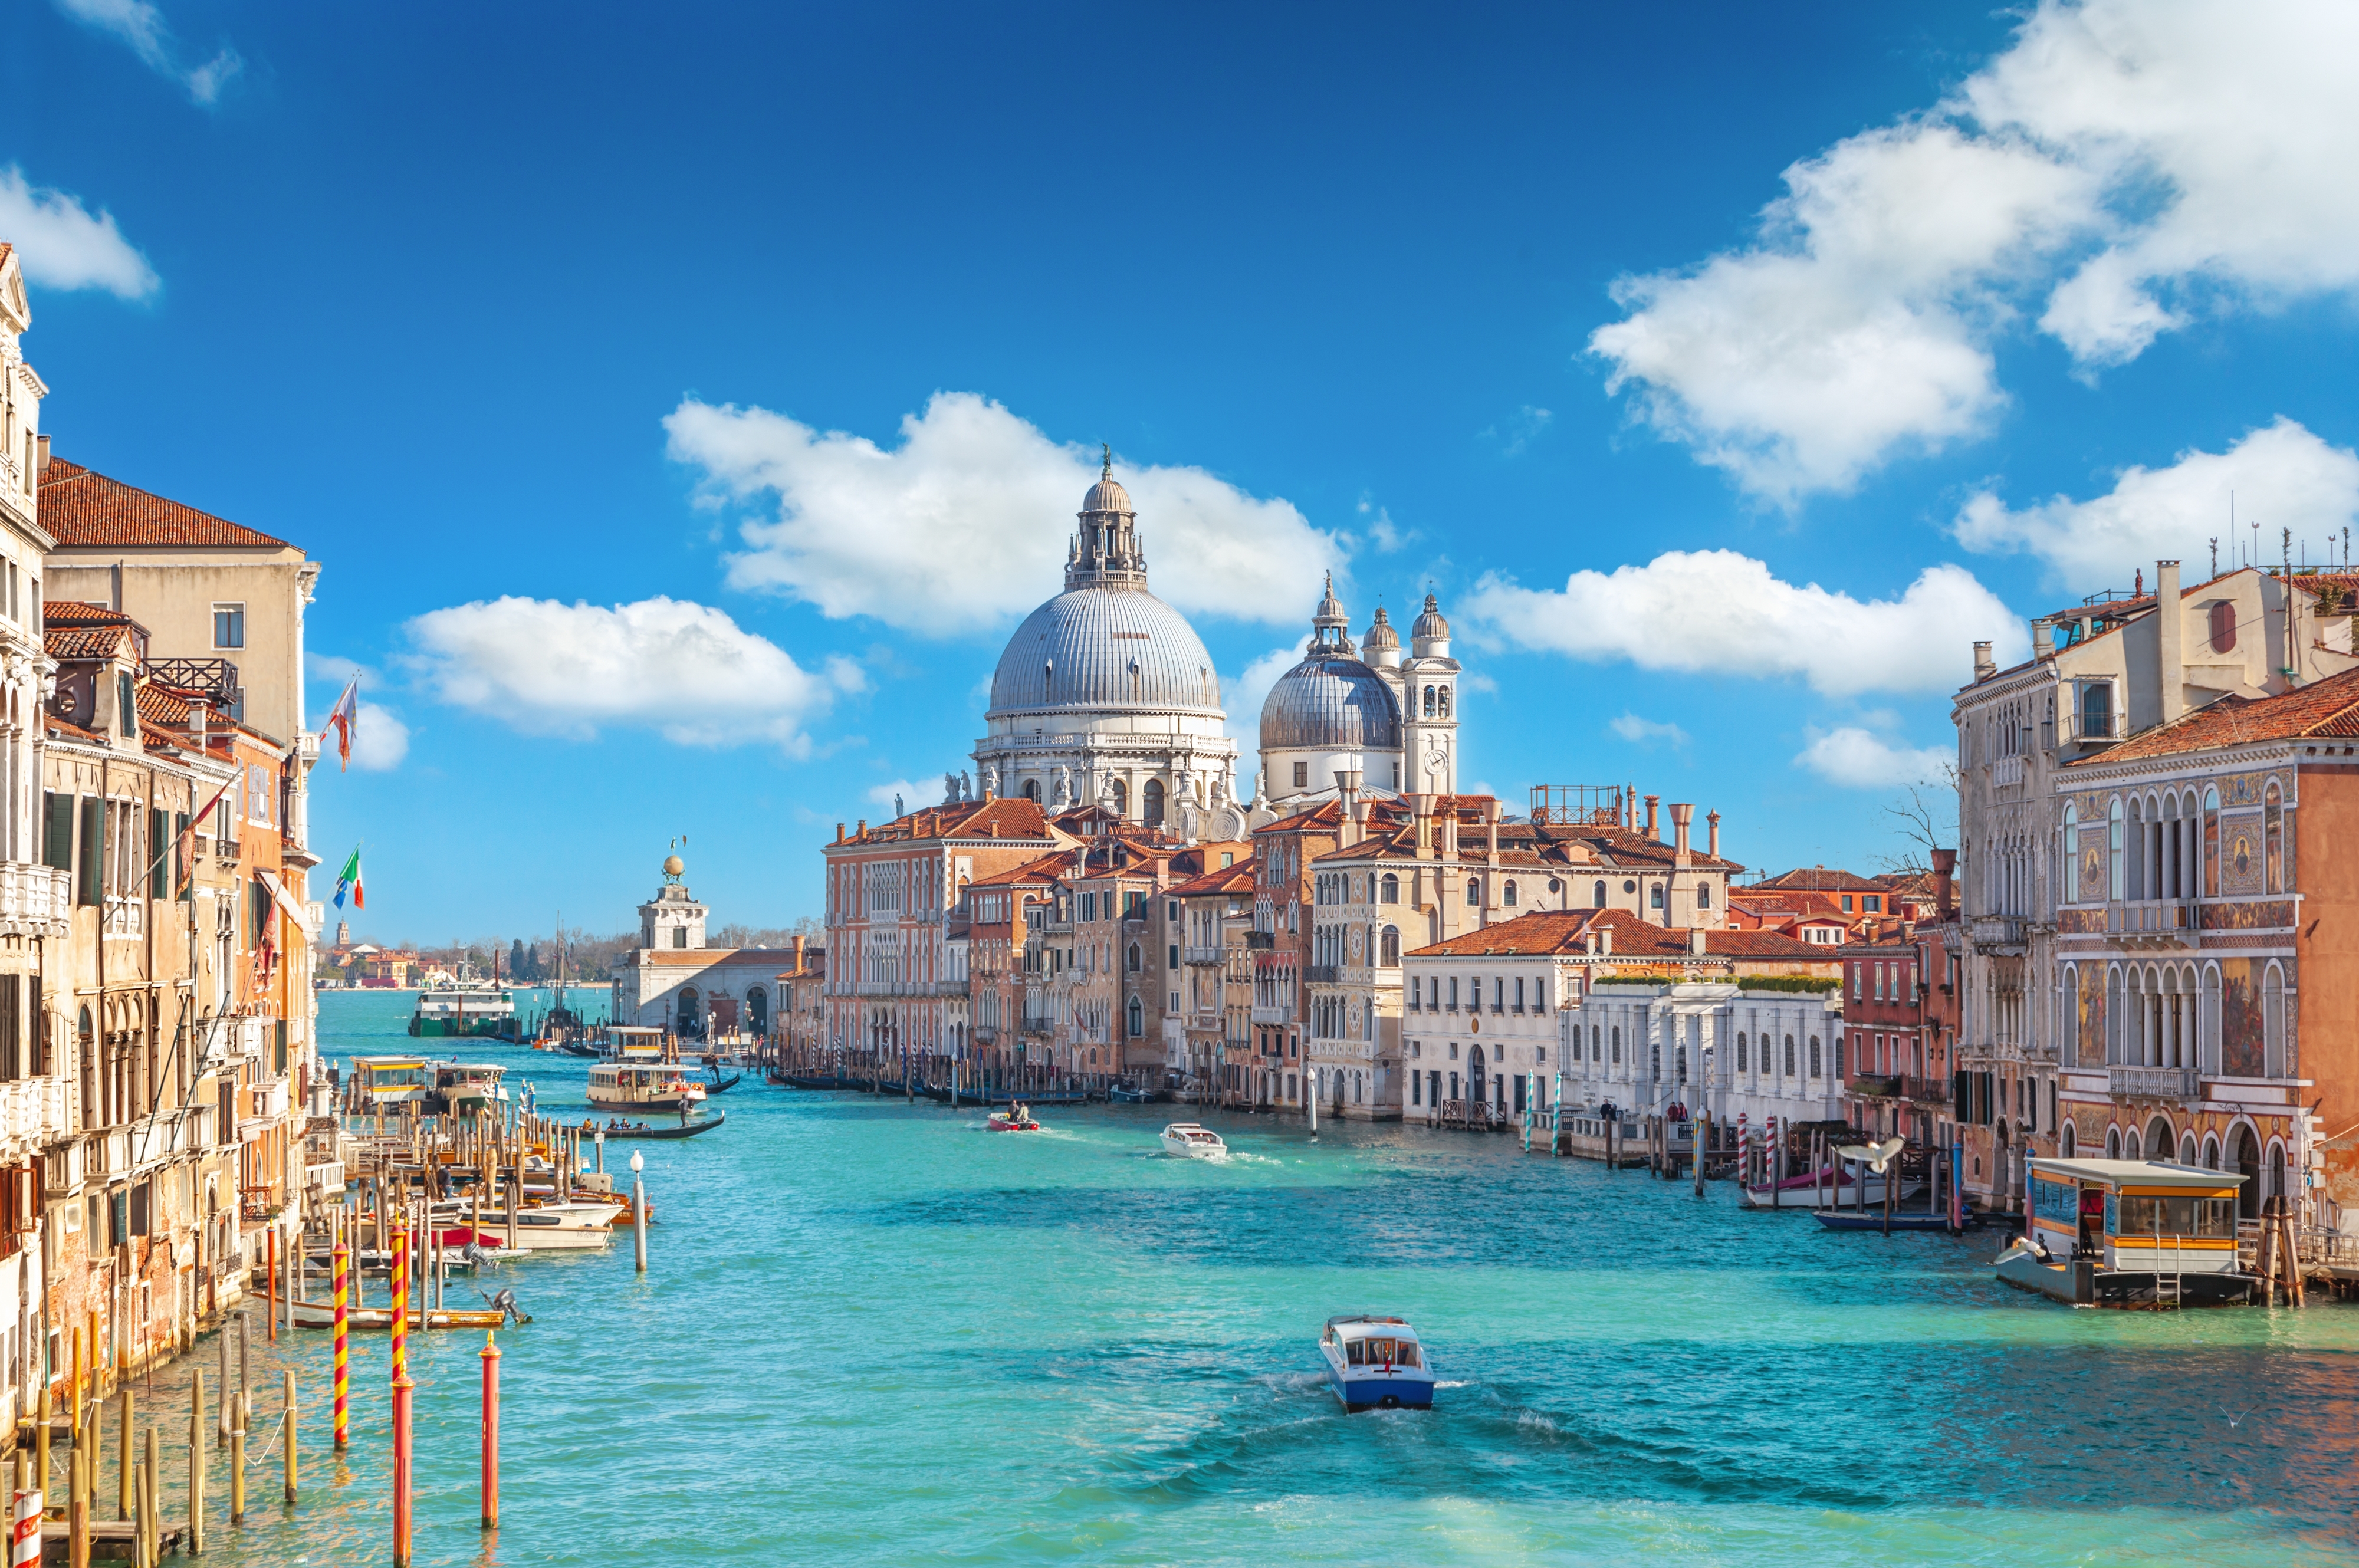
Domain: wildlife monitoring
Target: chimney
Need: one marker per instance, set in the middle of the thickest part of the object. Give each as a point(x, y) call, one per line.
point(1985, 665)
point(1654, 830)
point(1490, 821)
point(115, 588)
point(1711, 835)
point(1683, 817)
point(1449, 847)
point(839, 833)
point(41, 454)
point(1421, 807)
point(197, 722)
point(1945, 867)
point(1606, 942)
point(1588, 942)
point(2043, 640)
point(2170, 628)
point(1630, 805)
point(863, 828)
point(798, 955)
point(1695, 941)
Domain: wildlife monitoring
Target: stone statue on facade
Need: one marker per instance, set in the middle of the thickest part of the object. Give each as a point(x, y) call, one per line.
point(966, 786)
point(1064, 787)
point(950, 787)
point(991, 779)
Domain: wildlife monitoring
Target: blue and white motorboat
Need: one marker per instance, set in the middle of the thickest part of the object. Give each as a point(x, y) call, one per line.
point(1376, 1364)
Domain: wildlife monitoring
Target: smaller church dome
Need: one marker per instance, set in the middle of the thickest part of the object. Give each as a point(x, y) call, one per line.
point(1430, 626)
point(1107, 495)
point(1331, 702)
point(1381, 638)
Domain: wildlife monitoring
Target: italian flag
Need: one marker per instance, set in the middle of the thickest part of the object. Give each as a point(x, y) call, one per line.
point(350, 876)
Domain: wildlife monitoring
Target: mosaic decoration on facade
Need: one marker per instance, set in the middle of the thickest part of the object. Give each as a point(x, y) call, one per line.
point(2240, 1018)
point(2274, 914)
point(2241, 855)
point(2083, 922)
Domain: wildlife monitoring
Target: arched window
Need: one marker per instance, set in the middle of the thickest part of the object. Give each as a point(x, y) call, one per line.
point(1473, 892)
point(2115, 1016)
point(1814, 1056)
point(1428, 702)
point(1134, 958)
point(1596, 1048)
point(1032, 789)
point(1445, 702)
point(2273, 1051)
point(2112, 1143)
point(2160, 1143)
point(1790, 1056)
point(1617, 1045)
point(2065, 1141)
point(1597, 895)
point(1507, 893)
point(1137, 1018)
point(1655, 895)
point(2211, 1153)
point(1153, 797)
point(2187, 1149)
point(2116, 876)
point(1121, 798)
point(1654, 1059)
point(1740, 1052)
point(2071, 853)
point(1390, 946)
point(2211, 850)
point(757, 1010)
point(2223, 626)
point(1391, 886)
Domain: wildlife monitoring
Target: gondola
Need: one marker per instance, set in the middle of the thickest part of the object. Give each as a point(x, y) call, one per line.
point(714, 1085)
point(684, 1129)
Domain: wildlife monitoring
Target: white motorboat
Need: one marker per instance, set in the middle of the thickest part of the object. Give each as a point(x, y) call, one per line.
point(1192, 1142)
point(1377, 1363)
point(643, 1086)
point(1814, 1190)
point(578, 1225)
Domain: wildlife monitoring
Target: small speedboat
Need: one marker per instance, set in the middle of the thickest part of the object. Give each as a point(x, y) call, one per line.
point(1376, 1364)
point(1016, 1118)
point(1192, 1142)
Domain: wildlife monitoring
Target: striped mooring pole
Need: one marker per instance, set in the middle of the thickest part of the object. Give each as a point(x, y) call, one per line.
point(401, 1387)
point(342, 1353)
point(24, 1527)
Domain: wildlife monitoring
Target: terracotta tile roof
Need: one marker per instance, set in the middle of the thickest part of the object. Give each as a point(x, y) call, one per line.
point(79, 613)
point(1566, 931)
point(2328, 707)
point(1005, 817)
point(1814, 879)
point(69, 644)
point(79, 506)
point(676, 956)
point(1237, 878)
point(66, 729)
point(1045, 870)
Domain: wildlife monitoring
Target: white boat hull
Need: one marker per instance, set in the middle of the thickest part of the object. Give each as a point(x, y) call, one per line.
point(1847, 1197)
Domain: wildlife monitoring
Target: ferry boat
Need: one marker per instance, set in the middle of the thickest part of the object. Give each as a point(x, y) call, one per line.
point(643, 1086)
point(482, 1012)
point(1189, 1141)
point(1377, 1363)
point(2131, 1232)
point(380, 1081)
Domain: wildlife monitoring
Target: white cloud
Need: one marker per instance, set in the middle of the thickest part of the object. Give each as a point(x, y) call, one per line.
point(1859, 760)
point(2281, 475)
point(1382, 531)
point(1243, 695)
point(2135, 161)
point(686, 671)
point(1647, 733)
point(380, 740)
point(63, 246)
point(1519, 431)
point(1719, 613)
point(142, 26)
point(966, 522)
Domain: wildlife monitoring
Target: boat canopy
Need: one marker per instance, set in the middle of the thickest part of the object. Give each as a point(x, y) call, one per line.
point(1358, 1325)
point(2121, 1175)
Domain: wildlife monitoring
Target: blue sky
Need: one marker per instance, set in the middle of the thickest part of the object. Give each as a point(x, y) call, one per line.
point(685, 402)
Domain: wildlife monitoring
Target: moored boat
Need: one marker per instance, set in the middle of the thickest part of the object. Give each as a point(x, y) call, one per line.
point(1377, 1363)
point(643, 1086)
point(1192, 1142)
point(1810, 1190)
point(693, 1126)
point(322, 1314)
point(2130, 1233)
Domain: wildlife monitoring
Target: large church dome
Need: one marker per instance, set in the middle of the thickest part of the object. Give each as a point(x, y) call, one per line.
point(1102, 646)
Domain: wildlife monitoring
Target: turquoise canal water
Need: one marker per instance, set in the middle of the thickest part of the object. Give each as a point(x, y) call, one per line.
point(874, 1333)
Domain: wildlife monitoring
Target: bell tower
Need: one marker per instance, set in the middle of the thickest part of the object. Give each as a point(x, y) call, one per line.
point(1428, 689)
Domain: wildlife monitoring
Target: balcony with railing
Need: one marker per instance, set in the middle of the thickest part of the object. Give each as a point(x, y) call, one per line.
point(34, 1113)
point(34, 896)
point(2152, 1083)
point(1260, 942)
point(1191, 953)
point(1321, 974)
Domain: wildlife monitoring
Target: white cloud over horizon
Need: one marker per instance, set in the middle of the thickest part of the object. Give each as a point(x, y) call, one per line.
point(380, 738)
point(140, 25)
point(965, 524)
point(2122, 169)
point(1649, 733)
point(1242, 698)
point(684, 669)
point(1720, 613)
point(1860, 759)
point(2281, 475)
point(63, 246)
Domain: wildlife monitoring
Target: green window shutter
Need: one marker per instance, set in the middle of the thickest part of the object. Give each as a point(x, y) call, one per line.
point(57, 849)
point(159, 840)
point(91, 888)
point(180, 827)
point(126, 704)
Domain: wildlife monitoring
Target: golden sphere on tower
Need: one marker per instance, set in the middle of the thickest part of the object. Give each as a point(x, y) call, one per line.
point(674, 866)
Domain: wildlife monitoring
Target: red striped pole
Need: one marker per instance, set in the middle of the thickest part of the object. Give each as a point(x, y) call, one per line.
point(24, 1527)
point(343, 1431)
point(491, 1355)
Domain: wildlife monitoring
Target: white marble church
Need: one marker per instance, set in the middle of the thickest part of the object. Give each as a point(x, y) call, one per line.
point(1106, 695)
point(673, 982)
